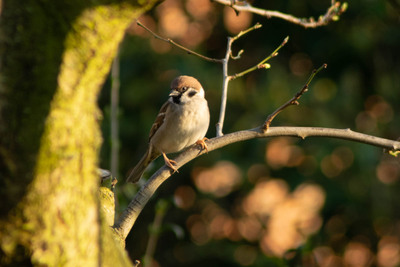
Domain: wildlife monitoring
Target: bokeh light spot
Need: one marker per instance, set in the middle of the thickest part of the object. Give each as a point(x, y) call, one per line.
point(235, 23)
point(198, 8)
point(289, 218)
point(324, 89)
point(245, 255)
point(388, 252)
point(358, 255)
point(219, 180)
point(249, 228)
point(198, 229)
point(325, 257)
point(265, 197)
point(184, 197)
point(364, 122)
point(334, 164)
point(300, 64)
point(388, 171)
point(310, 195)
point(379, 109)
point(281, 152)
point(257, 172)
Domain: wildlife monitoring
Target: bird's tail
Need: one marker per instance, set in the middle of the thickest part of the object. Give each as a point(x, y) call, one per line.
point(139, 169)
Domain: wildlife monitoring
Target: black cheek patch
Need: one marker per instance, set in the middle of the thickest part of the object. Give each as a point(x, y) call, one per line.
point(192, 93)
point(176, 99)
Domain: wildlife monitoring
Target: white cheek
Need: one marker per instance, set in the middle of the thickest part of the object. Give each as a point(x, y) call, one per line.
point(201, 92)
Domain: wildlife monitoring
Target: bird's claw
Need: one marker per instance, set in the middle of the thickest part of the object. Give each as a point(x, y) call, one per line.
point(170, 163)
point(202, 144)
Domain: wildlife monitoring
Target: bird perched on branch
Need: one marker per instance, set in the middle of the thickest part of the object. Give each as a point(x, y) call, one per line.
point(182, 121)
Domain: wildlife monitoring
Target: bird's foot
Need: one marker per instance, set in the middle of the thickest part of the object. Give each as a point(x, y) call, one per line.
point(170, 163)
point(202, 144)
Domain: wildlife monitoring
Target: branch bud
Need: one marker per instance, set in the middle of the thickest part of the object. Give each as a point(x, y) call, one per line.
point(264, 66)
point(257, 26)
point(285, 40)
point(344, 6)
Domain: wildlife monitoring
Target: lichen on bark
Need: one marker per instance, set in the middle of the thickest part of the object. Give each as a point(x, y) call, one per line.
point(56, 220)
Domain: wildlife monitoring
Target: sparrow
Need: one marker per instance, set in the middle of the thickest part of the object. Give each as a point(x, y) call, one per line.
point(181, 122)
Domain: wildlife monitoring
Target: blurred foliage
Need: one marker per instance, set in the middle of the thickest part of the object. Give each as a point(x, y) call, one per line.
point(270, 202)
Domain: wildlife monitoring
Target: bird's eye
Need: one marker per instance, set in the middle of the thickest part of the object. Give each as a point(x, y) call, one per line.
point(192, 93)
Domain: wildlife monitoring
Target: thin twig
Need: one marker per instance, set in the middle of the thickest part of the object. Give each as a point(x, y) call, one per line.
point(294, 100)
point(261, 64)
point(155, 230)
point(225, 82)
point(241, 33)
point(125, 222)
point(168, 40)
point(332, 13)
point(226, 78)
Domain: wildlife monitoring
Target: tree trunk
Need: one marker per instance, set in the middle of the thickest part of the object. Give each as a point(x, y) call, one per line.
point(55, 57)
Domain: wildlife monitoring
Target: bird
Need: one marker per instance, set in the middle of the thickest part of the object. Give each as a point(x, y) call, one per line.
point(181, 122)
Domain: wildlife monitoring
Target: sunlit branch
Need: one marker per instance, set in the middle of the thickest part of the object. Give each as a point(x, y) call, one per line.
point(294, 100)
point(332, 13)
point(241, 33)
point(129, 216)
point(225, 82)
point(225, 61)
point(168, 40)
point(225, 76)
point(127, 219)
point(261, 64)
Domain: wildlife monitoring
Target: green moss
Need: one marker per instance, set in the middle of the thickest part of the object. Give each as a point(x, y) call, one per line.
point(59, 218)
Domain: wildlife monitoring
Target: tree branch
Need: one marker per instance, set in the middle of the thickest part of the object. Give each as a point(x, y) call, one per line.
point(332, 13)
point(261, 64)
point(168, 40)
point(225, 82)
point(294, 100)
point(129, 216)
point(226, 78)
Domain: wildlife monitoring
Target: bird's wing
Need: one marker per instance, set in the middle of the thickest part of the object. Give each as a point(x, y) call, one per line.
point(159, 120)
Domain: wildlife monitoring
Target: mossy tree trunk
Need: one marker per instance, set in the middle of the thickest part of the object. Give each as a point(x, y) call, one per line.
point(55, 56)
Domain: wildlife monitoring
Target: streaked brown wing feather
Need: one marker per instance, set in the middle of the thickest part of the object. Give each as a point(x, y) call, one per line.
point(159, 120)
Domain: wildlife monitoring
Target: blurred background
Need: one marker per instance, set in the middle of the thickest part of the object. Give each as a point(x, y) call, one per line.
point(267, 202)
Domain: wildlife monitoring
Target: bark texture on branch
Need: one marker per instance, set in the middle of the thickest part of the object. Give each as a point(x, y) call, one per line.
point(56, 57)
point(127, 219)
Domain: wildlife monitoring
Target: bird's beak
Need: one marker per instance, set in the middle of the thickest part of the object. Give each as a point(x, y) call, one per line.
point(174, 93)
